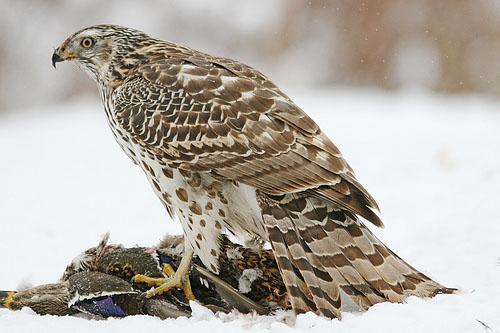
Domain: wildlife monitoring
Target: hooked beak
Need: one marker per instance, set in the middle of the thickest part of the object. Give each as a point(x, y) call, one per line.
point(62, 53)
point(56, 58)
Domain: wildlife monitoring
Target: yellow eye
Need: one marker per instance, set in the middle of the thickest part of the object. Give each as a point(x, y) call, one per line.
point(87, 42)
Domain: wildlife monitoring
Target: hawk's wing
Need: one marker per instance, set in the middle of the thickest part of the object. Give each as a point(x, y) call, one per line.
point(207, 114)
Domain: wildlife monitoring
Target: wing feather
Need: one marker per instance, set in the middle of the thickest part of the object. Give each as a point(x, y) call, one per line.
point(207, 114)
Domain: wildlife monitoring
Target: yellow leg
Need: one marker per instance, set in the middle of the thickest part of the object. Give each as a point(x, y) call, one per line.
point(175, 279)
point(151, 282)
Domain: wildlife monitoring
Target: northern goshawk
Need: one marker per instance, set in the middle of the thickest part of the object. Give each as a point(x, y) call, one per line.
point(226, 150)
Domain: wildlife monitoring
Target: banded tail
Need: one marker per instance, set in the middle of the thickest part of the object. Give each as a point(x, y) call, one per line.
point(323, 252)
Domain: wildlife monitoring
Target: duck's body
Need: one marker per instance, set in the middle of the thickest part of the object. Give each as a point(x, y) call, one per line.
point(98, 282)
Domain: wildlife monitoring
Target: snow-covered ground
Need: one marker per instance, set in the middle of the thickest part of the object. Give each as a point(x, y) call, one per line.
point(432, 163)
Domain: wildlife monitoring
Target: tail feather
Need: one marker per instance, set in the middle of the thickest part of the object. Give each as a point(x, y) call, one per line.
point(414, 283)
point(322, 251)
point(348, 279)
point(335, 252)
point(323, 293)
point(341, 269)
point(365, 257)
point(296, 287)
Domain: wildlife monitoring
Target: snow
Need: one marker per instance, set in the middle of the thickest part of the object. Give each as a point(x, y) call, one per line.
point(432, 162)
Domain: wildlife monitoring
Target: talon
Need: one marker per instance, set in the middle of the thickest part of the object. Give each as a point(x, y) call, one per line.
point(175, 279)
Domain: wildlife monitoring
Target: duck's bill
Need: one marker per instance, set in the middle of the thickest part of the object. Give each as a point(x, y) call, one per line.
point(6, 298)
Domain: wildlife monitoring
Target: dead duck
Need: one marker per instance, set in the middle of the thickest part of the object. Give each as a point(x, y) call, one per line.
point(98, 282)
point(251, 274)
point(91, 294)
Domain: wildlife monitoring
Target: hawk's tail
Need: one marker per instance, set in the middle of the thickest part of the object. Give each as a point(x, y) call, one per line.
point(324, 254)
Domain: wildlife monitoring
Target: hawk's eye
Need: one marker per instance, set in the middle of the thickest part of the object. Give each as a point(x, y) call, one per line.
point(87, 42)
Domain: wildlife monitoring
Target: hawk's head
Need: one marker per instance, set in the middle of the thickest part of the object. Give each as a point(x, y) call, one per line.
point(97, 49)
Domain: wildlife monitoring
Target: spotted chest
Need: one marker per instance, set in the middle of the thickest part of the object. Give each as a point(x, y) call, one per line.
point(206, 206)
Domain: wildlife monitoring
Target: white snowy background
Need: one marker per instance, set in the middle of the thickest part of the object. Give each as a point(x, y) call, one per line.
point(431, 161)
point(377, 76)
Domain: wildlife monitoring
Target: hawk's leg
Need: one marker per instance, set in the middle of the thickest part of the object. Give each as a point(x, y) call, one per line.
point(175, 279)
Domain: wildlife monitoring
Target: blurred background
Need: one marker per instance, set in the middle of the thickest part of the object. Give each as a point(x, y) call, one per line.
point(408, 90)
point(448, 46)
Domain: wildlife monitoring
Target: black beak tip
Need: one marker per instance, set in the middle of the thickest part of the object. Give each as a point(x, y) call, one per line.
point(55, 59)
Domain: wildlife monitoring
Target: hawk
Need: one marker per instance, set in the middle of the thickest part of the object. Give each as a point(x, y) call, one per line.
point(227, 151)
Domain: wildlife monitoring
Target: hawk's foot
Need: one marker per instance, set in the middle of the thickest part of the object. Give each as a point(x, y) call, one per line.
point(175, 279)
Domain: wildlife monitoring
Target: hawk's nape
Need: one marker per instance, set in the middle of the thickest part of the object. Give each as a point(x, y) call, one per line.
point(225, 149)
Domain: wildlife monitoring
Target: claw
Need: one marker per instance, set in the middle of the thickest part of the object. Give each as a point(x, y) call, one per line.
point(175, 279)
